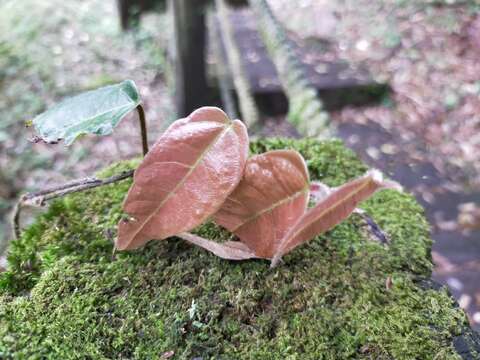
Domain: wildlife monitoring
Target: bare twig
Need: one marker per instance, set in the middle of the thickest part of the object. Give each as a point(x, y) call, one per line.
point(40, 197)
point(67, 185)
point(373, 228)
point(143, 128)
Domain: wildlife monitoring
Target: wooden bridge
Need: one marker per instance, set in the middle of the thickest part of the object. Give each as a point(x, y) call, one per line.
point(255, 68)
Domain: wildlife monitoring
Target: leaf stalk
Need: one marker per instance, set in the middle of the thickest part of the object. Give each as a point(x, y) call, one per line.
point(143, 128)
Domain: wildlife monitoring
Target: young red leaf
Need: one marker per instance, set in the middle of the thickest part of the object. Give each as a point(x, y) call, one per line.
point(269, 200)
point(230, 250)
point(331, 210)
point(184, 178)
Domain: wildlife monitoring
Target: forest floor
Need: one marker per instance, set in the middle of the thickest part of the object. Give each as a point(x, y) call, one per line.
point(426, 132)
point(427, 51)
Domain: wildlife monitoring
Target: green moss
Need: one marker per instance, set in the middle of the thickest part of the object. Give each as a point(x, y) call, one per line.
point(66, 295)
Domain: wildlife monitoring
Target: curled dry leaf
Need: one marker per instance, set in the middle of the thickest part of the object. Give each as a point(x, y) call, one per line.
point(269, 200)
point(184, 178)
point(331, 210)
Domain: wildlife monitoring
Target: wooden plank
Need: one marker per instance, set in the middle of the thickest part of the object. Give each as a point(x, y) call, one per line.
point(191, 91)
point(337, 82)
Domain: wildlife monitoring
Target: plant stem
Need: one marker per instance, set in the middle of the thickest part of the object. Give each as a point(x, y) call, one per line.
point(16, 219)
point(143, 128)
point(40, 197)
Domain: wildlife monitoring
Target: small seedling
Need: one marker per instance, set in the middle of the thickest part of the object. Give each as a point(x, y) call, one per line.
point(198, 170)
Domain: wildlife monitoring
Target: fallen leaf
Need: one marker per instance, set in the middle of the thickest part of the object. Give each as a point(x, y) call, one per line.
point(464, 301)
point(388, 283)
point(469, 216)
point(184, 178)
point(271, 197)
point(167, 355)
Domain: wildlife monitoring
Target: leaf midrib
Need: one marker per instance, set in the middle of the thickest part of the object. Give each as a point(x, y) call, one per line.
point(187, 175)
point(69, 127)
point(272, 207)
point(327, 210)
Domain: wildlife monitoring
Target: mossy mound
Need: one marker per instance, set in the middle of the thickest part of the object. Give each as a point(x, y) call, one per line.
point(66, 295)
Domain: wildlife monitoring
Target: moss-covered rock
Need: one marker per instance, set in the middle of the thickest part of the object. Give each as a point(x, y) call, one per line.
point(67, 295)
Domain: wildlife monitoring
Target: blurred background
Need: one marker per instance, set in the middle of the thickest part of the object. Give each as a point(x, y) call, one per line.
point(399, 80)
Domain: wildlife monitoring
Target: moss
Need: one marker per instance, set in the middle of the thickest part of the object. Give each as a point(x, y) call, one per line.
point(66, 295)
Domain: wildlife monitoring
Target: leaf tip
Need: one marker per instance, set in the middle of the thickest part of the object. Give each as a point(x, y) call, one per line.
point(275, 261)
point(377, 177)
point(131, 89)
point(211, 113)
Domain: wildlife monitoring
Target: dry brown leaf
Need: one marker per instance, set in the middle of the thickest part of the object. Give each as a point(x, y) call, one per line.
point(271, 197)
point(230, 250)
point(331, 210)
point(469, 216)
point(185, 177)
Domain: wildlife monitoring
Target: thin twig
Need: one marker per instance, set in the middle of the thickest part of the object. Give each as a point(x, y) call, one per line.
point(373, 228)
point(40, 197)
point(67, 185)
point(143, 128)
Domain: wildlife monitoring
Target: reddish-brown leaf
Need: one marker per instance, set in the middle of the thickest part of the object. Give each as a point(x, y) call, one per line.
point(184, 178)
point(269, 200)
point(230, 250)
point(335, 207)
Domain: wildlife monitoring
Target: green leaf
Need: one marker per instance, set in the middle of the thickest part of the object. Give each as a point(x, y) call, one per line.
point(93, 112)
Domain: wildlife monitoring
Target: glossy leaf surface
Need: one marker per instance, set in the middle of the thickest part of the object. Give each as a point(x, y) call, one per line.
point(332, 209)
point(184, 178)
point(271, 197)
point(93, 112)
